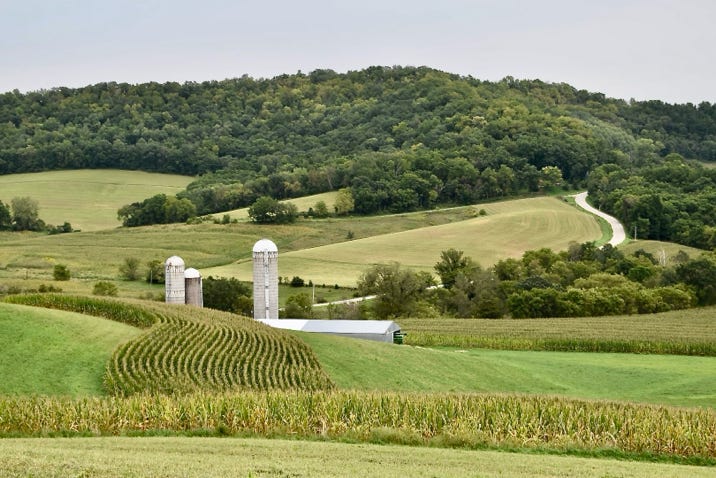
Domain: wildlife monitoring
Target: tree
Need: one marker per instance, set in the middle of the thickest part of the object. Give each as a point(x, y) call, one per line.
point(155, 272)
point(550, 177)
point(25, 212)
point(398, 290)
point(320, 209)
point(344, 202)
point(299, 306)
point(130, 268)
point(229, 294)
point(451, 263)
point(267, 210)
point(61, 272)
point(5, 217)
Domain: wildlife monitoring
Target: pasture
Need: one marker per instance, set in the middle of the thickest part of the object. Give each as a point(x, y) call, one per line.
point(659, 249)
point(660, 379)
point(302, 204)
point(51, 352)
point(258, 457)
point(508, 229)
point(89, 198)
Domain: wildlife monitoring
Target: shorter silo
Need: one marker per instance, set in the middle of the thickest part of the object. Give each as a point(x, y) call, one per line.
point(174, 280)
point(194, 292)
point(265, 258)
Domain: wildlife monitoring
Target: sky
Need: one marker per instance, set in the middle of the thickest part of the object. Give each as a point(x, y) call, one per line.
point(640, 49)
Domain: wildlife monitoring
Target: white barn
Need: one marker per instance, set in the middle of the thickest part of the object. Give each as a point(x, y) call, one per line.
point(379, 330)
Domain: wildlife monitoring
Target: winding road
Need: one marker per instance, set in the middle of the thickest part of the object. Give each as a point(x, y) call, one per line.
point(618, 234)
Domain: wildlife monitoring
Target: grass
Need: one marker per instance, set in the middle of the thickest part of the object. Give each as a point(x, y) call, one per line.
point(677, 332)
point(661, 379)
point(56, 353)
point(302, 204)
point(89, 198)
point(200, 457)
point(508, 229)
point(669, 249)
point(225, 250)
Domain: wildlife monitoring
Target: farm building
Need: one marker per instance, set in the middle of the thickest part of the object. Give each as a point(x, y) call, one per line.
point(379, 330)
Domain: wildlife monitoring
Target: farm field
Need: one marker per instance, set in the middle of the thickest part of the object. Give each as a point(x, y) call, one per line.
point(669, 249)
point(89, 198)
point(660, 379)
point(26, 260)
point(681, 331)
point(508, 229)
point(257, 457)
point(301, 203)
point(51, 352)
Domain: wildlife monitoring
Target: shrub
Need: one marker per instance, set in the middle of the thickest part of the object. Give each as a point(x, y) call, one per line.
point(104, 288)
point(61, 272)
point(297, 282)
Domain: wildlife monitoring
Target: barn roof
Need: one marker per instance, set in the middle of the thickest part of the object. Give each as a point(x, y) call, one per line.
point(381, 327)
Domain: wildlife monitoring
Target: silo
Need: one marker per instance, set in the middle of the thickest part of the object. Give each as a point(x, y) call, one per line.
point(194, 292)
point(174, 280)
point(265, 255)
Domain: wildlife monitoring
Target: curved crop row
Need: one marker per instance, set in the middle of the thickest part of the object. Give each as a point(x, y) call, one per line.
point(187, 349)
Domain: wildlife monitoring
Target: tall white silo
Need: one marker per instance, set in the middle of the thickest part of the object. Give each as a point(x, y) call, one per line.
point(174, 288)
point(193, 287)
point(265, 255)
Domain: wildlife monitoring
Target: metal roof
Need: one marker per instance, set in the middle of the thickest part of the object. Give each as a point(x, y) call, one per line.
point(191, 273)
point(380, 327)
point(265, 245)
point(174, 261)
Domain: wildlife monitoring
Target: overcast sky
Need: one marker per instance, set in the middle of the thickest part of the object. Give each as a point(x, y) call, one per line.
point(641, 49)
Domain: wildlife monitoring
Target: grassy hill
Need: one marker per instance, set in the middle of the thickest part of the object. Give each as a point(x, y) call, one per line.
point(301, 203)
point(507, 230)
point(366, 365)
point(656, 248)
point(53, 352)
point(88, 198)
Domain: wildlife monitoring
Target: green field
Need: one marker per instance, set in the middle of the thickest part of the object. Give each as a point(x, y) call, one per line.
point(302, 204)
point(256, 457)
point(57, 353)
point(662, 379)
point(659, 249)
point(89, 198)
point(508, 229)
point(687, 332)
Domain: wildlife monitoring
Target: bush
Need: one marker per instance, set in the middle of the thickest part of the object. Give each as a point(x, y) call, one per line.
point(61, 272)
point(297, 282)
point(104, 288)
point(130, 268)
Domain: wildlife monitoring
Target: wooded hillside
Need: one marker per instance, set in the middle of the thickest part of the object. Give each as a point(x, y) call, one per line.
point(400, 138)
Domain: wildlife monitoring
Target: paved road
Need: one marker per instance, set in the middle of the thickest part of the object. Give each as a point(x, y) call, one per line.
point(618, 235)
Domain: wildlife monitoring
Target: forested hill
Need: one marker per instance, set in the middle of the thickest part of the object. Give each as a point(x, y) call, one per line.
point(400, 138)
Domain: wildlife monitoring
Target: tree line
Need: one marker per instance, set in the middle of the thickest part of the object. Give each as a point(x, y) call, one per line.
point(582, 281)
point(399, 138)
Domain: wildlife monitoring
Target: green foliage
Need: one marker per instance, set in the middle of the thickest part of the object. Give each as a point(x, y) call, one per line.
point(344, 202)
point(398, 290)
point(299, 306)
point(60, 272)
point(104, 288)
point(452, 262)
point(267, 210)
point(227, 294)
point(130, 269)
point(159, 209)
point(5, 217)
point(25, 214)
point(155, 272)
point(297, 282)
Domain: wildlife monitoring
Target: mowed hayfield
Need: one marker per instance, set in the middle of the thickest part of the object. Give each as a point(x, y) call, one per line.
point(659, 249)
point(507, 230)
point(302, 204)
point(258, 457)
point(89, 198)
point(50, 352)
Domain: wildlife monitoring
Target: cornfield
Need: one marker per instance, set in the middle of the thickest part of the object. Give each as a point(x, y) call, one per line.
point(188, 349)
point(464, 420)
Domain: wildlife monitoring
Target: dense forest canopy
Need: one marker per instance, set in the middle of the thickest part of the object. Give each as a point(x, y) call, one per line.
point(401, 138)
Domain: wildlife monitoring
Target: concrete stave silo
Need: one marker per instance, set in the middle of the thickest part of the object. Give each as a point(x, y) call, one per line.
point(265, 262)
point(174, 286)
point(194, 293)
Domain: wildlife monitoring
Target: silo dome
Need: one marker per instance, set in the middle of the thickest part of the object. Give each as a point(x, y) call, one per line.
point(174, 261)
point(265, 245)
point(191, 273)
